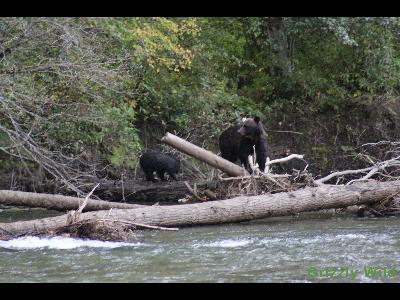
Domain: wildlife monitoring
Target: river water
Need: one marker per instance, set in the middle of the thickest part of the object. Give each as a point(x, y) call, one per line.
point(311, 247)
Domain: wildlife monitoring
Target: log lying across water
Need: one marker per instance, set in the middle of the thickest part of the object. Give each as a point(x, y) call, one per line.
point(243, 208)
point(56, 202)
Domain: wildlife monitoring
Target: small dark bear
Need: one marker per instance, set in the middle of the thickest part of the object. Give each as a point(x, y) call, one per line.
point(154, 161)
point(238, 141)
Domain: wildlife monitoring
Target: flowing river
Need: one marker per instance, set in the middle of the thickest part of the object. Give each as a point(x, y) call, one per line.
point(311, 247)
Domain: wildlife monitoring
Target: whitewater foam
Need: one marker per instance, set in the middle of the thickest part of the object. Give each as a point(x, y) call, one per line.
point(32, 242)
point(230, 243)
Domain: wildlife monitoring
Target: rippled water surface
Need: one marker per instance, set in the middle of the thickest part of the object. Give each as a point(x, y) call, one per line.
point(291, 249)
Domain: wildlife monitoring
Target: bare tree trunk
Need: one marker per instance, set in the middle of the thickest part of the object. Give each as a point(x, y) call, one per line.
point(56, 202)
point(244, 208)
point(203, 155)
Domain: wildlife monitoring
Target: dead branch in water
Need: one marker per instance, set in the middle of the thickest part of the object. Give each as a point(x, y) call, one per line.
point(106, 229)
point(73, 216)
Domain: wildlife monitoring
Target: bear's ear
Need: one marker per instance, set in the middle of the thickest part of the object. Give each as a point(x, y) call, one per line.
point(257, 119)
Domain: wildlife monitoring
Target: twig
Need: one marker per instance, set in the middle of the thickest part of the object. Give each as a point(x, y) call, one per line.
point(193, 192)
point(380, 143)
point(347, 172)
point(284, 131)
point(73, 216)
point(141, 225)
point(279, 160)
point(274, 181)
point(251, 176)
point(375, 212)
point(210, 194)
point(82, 206)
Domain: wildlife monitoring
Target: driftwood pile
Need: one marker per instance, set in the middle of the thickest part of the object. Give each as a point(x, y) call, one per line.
point(236, 198)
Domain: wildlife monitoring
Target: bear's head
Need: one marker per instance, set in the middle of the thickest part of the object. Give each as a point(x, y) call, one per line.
point(251, 128)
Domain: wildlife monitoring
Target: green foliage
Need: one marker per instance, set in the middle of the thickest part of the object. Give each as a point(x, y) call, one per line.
point(155, 41)
point(91, 83)
point(70, 88)
point(122, 142)
point(332, 60)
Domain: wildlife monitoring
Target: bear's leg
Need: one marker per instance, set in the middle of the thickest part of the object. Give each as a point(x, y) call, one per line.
point(173, 175)
point(261, 160)
point(229, 155)
point(161, 175)
point(150, 176)
point(244, 158)
point(246, 149)
point(225, 155)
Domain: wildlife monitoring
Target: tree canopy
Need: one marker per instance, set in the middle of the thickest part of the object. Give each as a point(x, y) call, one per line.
point(77, 93)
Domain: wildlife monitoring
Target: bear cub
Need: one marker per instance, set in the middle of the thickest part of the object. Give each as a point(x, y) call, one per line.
point(238, 141)
point(154, 161)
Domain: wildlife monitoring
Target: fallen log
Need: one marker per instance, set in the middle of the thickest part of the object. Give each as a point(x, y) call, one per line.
point(148, 192)
point(171, 192)
point(203, 155)
point(239, 209)
point(56, 202)
point(132, 191)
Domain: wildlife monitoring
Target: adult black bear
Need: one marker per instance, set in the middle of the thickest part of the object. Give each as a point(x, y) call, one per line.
point(238, 141)
point(154, 161)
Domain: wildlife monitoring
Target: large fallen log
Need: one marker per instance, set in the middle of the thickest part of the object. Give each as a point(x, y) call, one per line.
point(56, 202)
point(243, 208)
point(172, 191)
point(203, 155)
point(133, 191)
point(130, 191)
point(146, 192)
